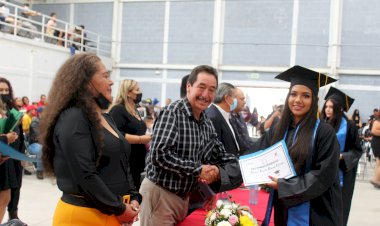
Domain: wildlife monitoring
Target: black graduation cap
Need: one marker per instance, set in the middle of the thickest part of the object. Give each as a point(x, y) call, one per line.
point(342, 98)
point(298, 75)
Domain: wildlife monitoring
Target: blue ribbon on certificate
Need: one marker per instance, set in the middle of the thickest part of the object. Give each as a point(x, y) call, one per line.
point(8, 151)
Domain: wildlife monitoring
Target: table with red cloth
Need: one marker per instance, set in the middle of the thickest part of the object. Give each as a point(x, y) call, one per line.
point(240, 196)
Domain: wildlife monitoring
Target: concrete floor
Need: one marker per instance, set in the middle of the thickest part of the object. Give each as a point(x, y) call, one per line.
point(39, 197)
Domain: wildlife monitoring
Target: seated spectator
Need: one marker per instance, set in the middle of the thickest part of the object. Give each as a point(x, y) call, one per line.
point(35, 148)
point(25, 102)
point(18, 104)
point(50, 29)
point(4, 16)
point(77, 38)
point(27, 13)
point(42, 101)
point(61, 35)
point(27, 118)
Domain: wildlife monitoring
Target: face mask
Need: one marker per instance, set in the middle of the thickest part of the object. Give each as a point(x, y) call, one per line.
point(6, 98)
point(138, 98)
point(102, 102)
point(233, 105)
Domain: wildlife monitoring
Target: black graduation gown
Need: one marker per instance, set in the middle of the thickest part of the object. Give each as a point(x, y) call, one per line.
point(349, 165)
point(320, 186)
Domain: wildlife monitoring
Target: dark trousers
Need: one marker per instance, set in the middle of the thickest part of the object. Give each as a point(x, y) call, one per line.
point(15, 192)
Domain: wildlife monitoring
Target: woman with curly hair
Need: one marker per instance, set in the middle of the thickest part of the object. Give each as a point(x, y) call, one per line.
point(84, 150)
point(129, 122)
point(332, 112)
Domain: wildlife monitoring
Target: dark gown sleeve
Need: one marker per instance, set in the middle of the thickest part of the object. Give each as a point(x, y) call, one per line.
point(4, 139)
point(78, 150)
point(352, 149)
point(322, 175)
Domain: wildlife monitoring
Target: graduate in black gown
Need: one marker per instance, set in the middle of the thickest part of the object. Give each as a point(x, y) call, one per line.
point(313, 196)
point(333, 110)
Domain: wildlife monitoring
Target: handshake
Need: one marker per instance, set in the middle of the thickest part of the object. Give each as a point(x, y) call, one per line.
point(209, 174)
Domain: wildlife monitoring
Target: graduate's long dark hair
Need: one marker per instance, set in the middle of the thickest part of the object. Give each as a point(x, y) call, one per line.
point(300, 149)
point(337, 116)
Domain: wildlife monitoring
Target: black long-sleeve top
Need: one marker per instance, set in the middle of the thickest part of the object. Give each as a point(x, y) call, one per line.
point(103, 185)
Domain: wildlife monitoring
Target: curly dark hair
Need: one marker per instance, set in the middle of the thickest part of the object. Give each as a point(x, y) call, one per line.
point(70, 89)
point(6, 81)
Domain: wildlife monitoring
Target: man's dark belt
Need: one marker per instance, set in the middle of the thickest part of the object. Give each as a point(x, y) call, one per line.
point(76, 200)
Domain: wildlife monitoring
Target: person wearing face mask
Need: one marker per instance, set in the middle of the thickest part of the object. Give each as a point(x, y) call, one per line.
point(239, 125)
point(219, 113)
point(128, 120)
point(84, 149)
point(12, 179)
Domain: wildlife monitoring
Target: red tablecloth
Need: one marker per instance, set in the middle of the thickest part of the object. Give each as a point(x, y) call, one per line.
point(239, 195)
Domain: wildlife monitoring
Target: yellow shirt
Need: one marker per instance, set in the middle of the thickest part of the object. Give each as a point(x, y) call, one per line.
point(26, 121)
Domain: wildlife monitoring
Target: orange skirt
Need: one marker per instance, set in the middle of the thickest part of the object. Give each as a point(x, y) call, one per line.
point(71, 215)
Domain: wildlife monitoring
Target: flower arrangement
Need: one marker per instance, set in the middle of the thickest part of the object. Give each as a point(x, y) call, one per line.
point(230, 214)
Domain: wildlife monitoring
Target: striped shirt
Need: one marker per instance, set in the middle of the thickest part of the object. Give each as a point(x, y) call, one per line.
point(180, 146)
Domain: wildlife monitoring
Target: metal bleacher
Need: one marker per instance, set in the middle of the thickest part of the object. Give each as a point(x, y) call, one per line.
point(68, 35)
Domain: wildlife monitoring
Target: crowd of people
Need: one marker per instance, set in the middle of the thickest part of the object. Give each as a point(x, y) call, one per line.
point(53, 34)
point(123, 159)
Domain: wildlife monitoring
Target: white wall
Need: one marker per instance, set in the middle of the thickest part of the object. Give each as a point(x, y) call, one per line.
point(31, 65)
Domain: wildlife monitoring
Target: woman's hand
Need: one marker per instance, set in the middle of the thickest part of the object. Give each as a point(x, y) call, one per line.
point(129, 216)
point(273, 184)
point(145, 139)
point(11, 137)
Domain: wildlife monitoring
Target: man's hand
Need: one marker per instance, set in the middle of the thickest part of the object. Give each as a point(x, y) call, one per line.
point(209, 174)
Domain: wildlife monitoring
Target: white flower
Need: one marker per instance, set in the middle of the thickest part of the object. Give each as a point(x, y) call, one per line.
point(224, 223)
point(226, 212)
point(234, 205)
point(228, 206)
point(219, 203)
point(212, 217)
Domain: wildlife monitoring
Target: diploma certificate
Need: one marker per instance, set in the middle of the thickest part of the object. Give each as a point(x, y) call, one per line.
point(273, 161)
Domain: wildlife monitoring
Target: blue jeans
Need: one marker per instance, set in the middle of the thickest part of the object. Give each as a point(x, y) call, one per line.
point(36, 149)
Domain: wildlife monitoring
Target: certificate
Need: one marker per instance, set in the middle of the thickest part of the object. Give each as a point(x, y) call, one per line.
point(273, 161)
point(8, 151)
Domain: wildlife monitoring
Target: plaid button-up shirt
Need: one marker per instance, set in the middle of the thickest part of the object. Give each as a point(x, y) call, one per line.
point(180, 145)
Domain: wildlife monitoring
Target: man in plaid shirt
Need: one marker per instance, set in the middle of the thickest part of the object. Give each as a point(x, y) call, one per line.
point(185, 151)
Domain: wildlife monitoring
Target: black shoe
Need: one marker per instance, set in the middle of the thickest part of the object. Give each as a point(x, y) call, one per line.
point(40, 174)
point(27, 172)
point(15, 222)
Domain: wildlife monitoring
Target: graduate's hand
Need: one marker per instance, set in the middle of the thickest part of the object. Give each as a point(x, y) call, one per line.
point(273, 184)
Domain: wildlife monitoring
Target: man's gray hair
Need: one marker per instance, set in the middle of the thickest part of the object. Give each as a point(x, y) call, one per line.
point(223, 90)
